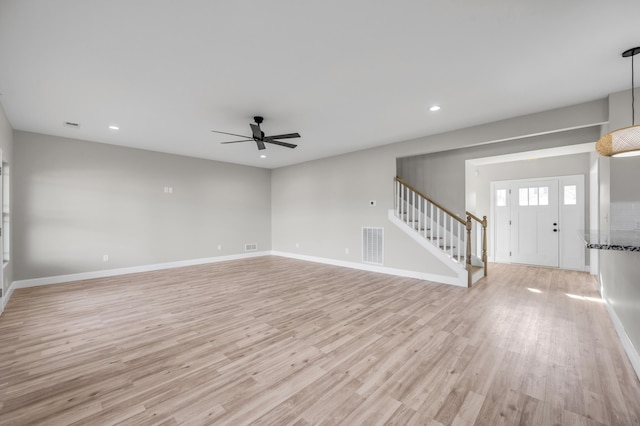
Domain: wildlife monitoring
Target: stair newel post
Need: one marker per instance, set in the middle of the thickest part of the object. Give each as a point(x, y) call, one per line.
point(469, 225)
point(484, 244)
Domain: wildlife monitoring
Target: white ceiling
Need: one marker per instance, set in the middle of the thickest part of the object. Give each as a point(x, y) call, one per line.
point(346, 75)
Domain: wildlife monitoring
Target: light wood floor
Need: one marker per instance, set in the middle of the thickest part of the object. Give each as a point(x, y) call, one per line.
point(278, 341)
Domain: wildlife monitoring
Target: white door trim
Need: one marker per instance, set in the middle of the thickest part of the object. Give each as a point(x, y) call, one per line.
point(569, 233)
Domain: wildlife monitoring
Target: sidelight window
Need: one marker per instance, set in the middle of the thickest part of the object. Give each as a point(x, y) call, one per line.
point(570, 195)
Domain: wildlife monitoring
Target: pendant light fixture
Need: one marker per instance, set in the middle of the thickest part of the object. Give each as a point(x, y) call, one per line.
point(623, 142)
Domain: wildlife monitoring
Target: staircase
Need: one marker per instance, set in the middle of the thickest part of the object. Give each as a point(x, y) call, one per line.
point(460, 243)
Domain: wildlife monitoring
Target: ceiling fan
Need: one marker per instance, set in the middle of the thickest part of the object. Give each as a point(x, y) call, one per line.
point(259, 137)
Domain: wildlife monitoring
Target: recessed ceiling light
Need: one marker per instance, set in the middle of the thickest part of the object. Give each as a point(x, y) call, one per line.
point(263, 156)
point(112, 127)
point(434, 108)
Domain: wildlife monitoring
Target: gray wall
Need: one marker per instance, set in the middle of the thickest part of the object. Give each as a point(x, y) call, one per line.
point(479, 178)
point(6, 144)
point(625, 172)
point(579, 116)
point(76, 201)
point(619, 271)
point(441, 175)
point(322, 205)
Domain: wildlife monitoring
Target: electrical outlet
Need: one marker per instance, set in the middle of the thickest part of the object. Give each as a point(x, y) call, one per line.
point(297, 245)
point(636, 224)
point(346, 250)
point(219, 246)
point(105, 257)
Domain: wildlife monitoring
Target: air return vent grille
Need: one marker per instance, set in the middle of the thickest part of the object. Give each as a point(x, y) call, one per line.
point(372, 245)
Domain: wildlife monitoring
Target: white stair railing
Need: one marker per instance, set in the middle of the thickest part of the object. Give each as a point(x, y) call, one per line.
point(445, 230)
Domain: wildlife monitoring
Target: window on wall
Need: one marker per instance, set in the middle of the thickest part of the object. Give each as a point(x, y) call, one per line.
point(501, 197)
point(543, 195)
point(570, 195)
point(523, 199)
point(533, 196)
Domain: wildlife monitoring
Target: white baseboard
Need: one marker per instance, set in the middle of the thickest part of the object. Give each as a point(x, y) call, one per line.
point(130, 270)
point(58, 279)
point(443, 279)
point(632, 353)
point(455, 267)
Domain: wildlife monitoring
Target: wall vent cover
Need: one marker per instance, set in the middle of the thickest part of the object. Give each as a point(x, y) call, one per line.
point(373, 245)
point(251, 247)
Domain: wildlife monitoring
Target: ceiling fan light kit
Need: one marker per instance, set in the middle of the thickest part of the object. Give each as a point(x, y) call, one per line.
point(258, 136)
point(623, 142)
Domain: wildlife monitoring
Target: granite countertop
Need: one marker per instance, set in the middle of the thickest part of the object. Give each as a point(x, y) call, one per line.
point(612, 240)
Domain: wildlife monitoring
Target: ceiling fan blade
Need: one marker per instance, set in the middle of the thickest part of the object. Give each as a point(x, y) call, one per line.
point(260, 145)
point(243, 140)
point(288, 145)
point(285, 136)
point(257, 133)
point(231, 134)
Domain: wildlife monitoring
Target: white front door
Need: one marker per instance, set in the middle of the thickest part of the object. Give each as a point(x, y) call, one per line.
point(539, 221)
point(534, 222)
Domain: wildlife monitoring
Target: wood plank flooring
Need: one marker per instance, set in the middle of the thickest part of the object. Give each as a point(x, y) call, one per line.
point(276, 341)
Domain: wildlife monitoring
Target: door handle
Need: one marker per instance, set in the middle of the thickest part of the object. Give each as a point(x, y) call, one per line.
point(555, 230)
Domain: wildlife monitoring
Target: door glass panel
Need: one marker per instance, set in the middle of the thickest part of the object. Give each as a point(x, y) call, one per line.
point(501, 197)
point(533, 196)
point(570, 195)
point(523, 197)
point(543, 196)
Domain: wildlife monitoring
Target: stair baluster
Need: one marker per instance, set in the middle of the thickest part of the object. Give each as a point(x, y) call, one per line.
point(442, 228)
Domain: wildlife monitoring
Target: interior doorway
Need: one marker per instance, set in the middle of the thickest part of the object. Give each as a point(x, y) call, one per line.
point(536, 221)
